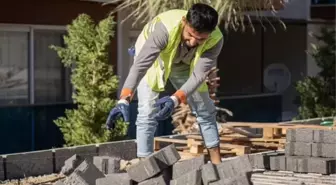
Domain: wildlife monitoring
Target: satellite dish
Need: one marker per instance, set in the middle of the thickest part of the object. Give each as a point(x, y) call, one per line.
point(277, 77)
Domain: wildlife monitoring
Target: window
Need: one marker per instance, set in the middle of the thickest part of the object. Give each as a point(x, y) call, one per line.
point(31, 72)
point(13, 67)
point(49, 75)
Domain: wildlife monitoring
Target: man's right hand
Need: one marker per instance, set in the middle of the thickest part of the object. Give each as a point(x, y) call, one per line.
point(121, 110)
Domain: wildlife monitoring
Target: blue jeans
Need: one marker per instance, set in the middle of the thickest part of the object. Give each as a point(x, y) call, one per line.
point(200, 103)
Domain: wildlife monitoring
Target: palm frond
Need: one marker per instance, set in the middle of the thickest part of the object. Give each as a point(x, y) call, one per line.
point(233, 13)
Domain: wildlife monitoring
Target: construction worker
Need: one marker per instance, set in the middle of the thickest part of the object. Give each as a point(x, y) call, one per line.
point(180, 46)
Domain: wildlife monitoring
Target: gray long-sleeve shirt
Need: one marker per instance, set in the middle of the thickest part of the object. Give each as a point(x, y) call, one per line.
point(150, 51)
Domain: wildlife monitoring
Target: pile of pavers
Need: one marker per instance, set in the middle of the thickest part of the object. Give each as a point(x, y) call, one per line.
point(161, 168)
point(308, 151)
point(309, 158)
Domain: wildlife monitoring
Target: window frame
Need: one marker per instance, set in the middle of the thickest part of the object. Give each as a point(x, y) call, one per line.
point(30, 29)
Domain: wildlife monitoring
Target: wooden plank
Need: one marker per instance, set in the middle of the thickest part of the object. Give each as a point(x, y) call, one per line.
point(268, 133)
point(245, 139)
point(274, 125)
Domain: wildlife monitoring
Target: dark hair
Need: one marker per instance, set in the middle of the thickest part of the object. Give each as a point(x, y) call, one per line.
point(202, 17)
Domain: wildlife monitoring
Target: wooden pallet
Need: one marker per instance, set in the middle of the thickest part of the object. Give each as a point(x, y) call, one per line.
point(238, 141)
point(194, 145)
point(273, 130)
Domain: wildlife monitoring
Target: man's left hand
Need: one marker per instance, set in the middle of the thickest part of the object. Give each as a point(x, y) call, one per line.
point(166, 106)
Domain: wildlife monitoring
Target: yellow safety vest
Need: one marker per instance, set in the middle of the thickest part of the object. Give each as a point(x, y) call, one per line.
point(157, 75)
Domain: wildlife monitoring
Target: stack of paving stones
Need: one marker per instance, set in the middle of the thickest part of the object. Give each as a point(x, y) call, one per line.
point(307, 151)
point(163, 167)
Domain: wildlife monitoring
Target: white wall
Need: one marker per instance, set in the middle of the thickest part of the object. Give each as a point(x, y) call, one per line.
point(294, 9)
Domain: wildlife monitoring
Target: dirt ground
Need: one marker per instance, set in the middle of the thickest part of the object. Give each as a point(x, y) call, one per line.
point(45, 179)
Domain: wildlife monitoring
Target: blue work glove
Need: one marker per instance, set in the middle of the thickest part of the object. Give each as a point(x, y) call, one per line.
point(121, 110)
point(166, 106)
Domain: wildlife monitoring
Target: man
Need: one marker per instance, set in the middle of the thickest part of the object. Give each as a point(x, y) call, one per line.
point(180, 46)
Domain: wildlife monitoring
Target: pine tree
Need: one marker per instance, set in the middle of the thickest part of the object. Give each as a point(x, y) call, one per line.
point(317, 94)
point(86, 54)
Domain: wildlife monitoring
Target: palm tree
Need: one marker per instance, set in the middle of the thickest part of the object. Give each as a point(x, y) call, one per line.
point(232, 12)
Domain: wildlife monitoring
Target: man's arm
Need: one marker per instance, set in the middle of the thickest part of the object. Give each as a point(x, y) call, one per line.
point(198, 76)
point(149, 52)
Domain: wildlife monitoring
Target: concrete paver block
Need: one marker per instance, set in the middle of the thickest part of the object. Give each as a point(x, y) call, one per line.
point(84, 152)
point(107, 164)
point(241, 179)
point(324, 150)
point(162, 178)
point(325, 136)
point(154, 164)
point(278, 163)
point(298, 149)
point(182, 167)
point(262, 160)
point(70, 165)
point(322, 165)
point(115, 179)
point(29, 164)
point(167, 156)
point(209, 173)
point(85, 174)
point(121, 149)
point(297, 164)
point(59, 183)
point(194, 177)
point(300, 135)
point(225, 170)
point(2, 172)
point(304, 164)
point(241, 164)
point(143, 170)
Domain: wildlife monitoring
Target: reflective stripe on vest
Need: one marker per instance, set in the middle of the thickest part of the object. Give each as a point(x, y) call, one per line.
point(157, 75)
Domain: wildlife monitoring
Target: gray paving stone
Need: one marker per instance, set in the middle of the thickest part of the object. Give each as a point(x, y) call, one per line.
point(29, 164)
point(167, 156)
point(2, 172)
point(242, 179)
point(85, 174)
point(278, 163)
point(144, 169)
point(209, 173)
point(85, 152)
point(225, 170)
point(262, 160)
point(300, 135)
point(115, 179)
point(298, 149)
point(324, 150)
point(162, 178)
point(241, 164)
point(297, 164)
point(107, 164)
point(182, 167)
point(322, 165)
point(325, 136)
point(194, 177)
point(71, 164)
point(121, 149)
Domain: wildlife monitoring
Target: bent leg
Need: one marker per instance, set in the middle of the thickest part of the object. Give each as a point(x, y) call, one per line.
point(204, 108)
point(145, 124)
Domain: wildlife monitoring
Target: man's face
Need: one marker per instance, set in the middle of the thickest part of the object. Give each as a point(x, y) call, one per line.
point(190, 36)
